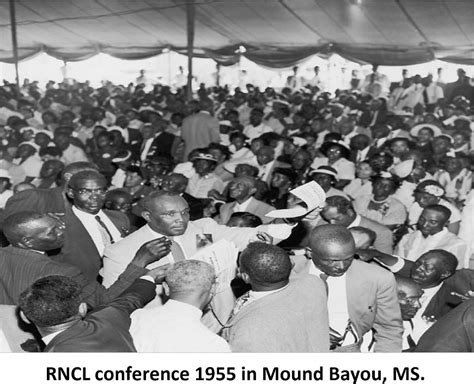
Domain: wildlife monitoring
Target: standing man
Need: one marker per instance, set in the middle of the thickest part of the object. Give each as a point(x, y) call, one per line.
point(278, 314)
point(361, 296)
point(200, 129)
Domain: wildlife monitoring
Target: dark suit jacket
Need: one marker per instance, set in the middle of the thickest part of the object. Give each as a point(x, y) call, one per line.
point(367, 116)
point(454, 332)
point(19, 268)
point(162, 146)
point(135, 140)
point(105, 329)
point(79, 248)
point(195, 206)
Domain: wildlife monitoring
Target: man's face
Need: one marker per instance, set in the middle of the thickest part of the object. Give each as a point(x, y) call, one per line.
point(88, 195)
point(264, 156)
point(333, 216)
point(336, 259)
point(256, 118)
point(42, 139)
point(49, 169)
point(430, 222)
point(240, 188)
point(168, 215)
point(409, 300)
point(62, 141)
point(440, 145)
point(279, 180)
point(424, 199)
point(46, 234)
point(399, 147)
point(324, 181)
point(132, 179)
point(172, 183)
point(300, 160)
point(119, 203)
point(428, 270)
point(382, 189)
point(203, 167)
point(148, 131)
point(425, 135)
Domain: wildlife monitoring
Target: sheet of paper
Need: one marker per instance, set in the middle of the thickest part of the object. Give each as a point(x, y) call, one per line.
point(310, 193)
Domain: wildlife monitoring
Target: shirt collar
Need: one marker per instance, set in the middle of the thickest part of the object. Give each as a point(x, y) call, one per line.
point(47, 339)
point(356, 222)
point(185, 310)
point(80, 213)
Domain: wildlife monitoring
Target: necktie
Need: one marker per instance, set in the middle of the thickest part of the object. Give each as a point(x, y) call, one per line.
point(104, 232)
point(176, 251)
point(324, 277)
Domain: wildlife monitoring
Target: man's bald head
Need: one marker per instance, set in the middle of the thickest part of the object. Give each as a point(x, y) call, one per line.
point(174, 182)
point(332, 249)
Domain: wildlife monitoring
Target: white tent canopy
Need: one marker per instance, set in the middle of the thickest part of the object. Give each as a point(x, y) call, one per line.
point(276, 33)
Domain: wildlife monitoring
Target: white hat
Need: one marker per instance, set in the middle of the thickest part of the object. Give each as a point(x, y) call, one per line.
point(225, 123)
point(417, 128)
point(5, 175)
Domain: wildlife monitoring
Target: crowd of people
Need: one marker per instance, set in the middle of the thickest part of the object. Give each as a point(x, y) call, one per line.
point(109, 197)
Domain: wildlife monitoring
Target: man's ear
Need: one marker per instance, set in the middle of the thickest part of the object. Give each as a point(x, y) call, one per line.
point(166, 288)
point(245, 277)
point(24, 318)
point(67, 176)
point(445, 275)
point(82, 310)
point(108, 204)
point(146, 215)
point(70, 193)
point(26, 241)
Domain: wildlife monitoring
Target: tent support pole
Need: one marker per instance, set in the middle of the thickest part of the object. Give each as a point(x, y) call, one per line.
point(190, 16)
point(14, 42)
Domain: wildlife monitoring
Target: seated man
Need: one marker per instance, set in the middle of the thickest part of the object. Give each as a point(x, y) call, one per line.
point(242, 189)
point(435, 272)
point(278, 314)
point(339, 210)
point(177, 326)
point(53, 304)
point(432, 233)
point(361, 296)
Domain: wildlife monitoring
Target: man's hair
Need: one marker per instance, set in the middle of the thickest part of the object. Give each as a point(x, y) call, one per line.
point(342, 204)
point(14, 225)
point(366, 231)
point(77, 167)
point(135, 169)
point(51, 151)
point(446, 212)
point(147, 200)
point(51, 300)
point(190, 276)
point(265, 263)
point(447, 259)
point(328, 234)
point(252, 220)
point(94, 175)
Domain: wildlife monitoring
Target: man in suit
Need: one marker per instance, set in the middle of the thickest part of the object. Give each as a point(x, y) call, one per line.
point(339, 210)
point(31, 234)
point(89, 229)
point(167, 215)
point(454, 332)
point(156, 142)
point(242, 189)
point(435, 272)
point(278, 314)
point(54, 305)
point(177, 183)
point(200, 129)
point(132, 136)
point(361, 296)
point(47, 200)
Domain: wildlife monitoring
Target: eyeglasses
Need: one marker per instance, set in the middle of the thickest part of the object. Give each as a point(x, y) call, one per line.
point(85, 192)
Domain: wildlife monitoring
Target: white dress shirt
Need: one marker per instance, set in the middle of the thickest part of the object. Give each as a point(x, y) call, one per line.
point(146, 147)
point(91, 225)
point(173, 327)
point(252, 132)
point(420, 323)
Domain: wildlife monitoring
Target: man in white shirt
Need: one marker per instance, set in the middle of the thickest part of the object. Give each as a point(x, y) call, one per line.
point(176, 326)
point(71, 153)
point(256, 128)
point(433, 234)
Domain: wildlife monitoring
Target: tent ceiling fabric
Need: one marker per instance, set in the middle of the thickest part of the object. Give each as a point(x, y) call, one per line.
point(276, 33)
